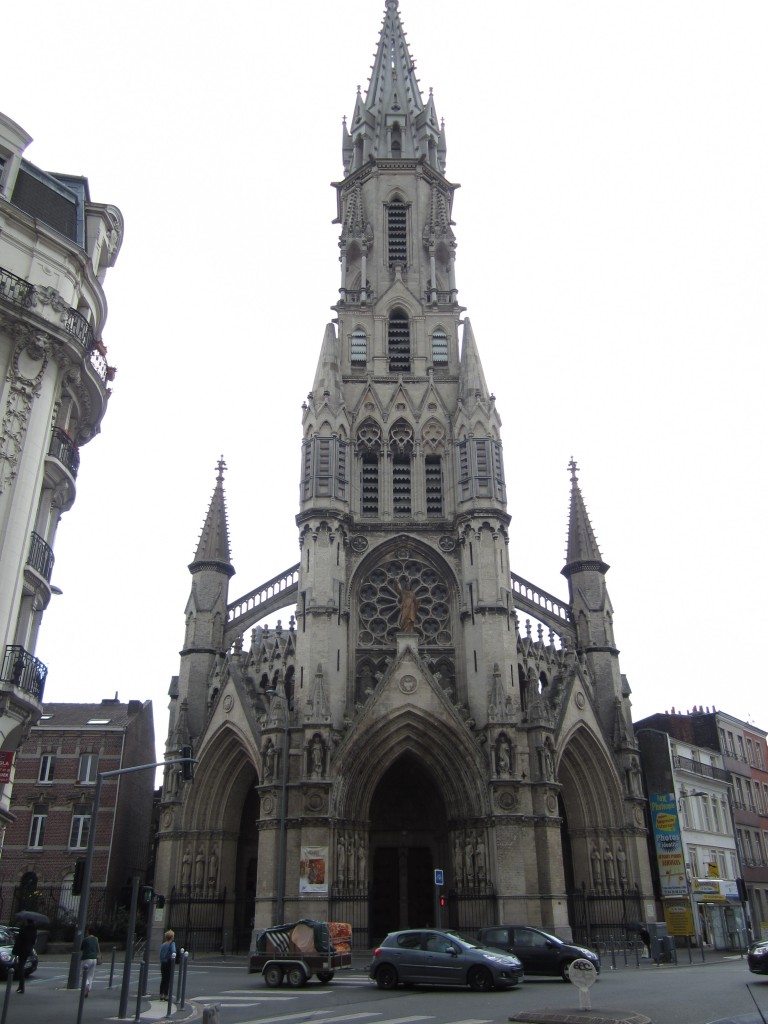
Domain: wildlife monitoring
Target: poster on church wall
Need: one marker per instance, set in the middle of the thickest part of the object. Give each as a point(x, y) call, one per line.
point(313, 874)
point(669, 844)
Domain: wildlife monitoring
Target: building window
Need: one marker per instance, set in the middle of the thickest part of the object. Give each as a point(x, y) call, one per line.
point(481, 469)
point(715, 815)
point(37, 828)
point(433, 473)
point(731, 748)
point(47, 764)
point(89, 766)
point(740, 742)
point(758, 755)
point(81, 827)
point(750, 752)
point(399, 342)
point(739, 792)
point(397, 233)
point(705, 813)
point(439, 347)
point(358, 348)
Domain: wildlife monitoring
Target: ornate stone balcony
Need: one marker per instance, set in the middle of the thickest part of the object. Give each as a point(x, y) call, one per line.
point(24, 670)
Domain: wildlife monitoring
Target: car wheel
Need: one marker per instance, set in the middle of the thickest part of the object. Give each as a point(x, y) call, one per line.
point(273, 976)
point(324, 977)
point(386, 977)
point(479, 979)
point(565, 971)
point(297, 978)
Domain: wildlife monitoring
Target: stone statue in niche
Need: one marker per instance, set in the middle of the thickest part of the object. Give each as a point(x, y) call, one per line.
point(317, 757)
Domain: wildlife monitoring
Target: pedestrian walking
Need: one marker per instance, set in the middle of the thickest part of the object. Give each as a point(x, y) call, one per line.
point(167, 951)
point(23, 946)
point(90, 956)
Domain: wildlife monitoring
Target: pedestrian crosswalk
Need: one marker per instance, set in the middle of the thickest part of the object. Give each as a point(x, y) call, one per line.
point(241, 999)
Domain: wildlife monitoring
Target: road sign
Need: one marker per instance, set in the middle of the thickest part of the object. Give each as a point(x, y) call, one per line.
point(439, 880)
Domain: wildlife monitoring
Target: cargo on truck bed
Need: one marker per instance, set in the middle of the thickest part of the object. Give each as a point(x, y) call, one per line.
point(297, 951)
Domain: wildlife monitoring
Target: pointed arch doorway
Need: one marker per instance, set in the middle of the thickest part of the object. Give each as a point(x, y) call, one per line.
point(408, 840)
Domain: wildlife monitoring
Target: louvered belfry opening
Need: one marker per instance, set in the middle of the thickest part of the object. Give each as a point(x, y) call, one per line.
point(397, 234)
point(433, 472)
point(399, 342)
point(370, 484)
point(401, 485)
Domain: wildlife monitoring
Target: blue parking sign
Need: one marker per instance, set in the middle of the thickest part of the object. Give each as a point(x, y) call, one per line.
point(438, 876)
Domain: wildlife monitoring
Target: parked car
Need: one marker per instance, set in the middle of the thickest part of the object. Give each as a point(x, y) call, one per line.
point(757, 957)
point(429, 957)
point(7, 939)
point(540, 952)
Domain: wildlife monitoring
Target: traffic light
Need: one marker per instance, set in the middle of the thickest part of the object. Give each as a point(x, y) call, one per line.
point(160, 901)
point(187, 768)
point(442, 901)
point(77, 880)
point(146, 894)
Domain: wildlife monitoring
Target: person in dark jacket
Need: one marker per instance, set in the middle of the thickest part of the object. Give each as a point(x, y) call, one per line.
point(23, 946)
point(167, 956)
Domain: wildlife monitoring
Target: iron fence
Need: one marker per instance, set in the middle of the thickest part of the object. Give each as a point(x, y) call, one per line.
point(600, 918)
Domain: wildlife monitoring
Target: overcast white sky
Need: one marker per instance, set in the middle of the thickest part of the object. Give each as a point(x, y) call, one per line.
point(612, 227)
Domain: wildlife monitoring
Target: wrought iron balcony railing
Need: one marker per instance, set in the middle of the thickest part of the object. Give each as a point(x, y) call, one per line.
point(706, 771)
point(15, 289)
point(40, 556)
point(24, 670)
point(64, 450)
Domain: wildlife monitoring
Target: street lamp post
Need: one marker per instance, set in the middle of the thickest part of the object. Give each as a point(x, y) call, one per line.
point(283, 840)
point(73, 980)
point(689, 885)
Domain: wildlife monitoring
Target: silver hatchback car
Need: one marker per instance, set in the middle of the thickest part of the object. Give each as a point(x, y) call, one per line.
point(425, 956)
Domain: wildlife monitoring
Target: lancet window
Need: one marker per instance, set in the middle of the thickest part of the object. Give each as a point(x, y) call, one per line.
point(369, 450)
point(481, 469)
point(439, 347)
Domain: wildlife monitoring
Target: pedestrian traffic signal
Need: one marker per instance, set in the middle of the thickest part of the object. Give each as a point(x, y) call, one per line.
point(77, 880)
point(187, 767)
point(442, 901)
point(147, 894)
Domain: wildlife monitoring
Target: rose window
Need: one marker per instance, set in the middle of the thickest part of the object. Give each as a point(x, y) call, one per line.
point(380, 603)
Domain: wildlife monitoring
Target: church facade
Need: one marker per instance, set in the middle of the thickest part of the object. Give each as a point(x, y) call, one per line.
point(410, 718)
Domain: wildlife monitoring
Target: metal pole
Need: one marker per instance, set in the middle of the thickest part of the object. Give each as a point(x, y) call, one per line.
point(184, 964)
point(123, 1011)
point(82, 916)
point(7, 996)
point(169, 1011)
point(112, 967)
point(82, 998)
point(141, 989)
point(144, 979)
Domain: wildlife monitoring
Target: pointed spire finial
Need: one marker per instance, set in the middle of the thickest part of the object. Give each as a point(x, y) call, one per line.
point(573, 467)
point(582, 550)
point(220, 467)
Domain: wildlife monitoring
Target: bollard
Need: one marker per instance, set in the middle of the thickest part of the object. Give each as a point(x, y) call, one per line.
point(180, 972)
point(7, 997)
point(170, 986)
point(212, 1013)
point(184, 962)
point(140, 992)
point(81, 1003)
point(112, 967)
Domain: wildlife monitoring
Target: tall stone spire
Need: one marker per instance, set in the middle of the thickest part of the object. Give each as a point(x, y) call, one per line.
point(582, 552)
point(393, 122)
point(213, 546)
point(472, 386)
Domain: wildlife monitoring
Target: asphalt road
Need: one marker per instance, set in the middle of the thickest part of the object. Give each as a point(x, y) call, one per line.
point(683, 994)
point(668, 995)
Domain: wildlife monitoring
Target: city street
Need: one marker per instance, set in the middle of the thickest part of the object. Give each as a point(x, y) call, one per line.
point(683, 994)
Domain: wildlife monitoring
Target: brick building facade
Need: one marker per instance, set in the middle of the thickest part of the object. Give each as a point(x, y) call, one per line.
point(56, 773)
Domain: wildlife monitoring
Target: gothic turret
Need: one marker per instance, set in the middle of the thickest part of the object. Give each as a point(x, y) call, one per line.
point(206, 611)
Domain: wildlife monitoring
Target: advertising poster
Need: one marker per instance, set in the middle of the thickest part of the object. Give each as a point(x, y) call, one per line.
point(313, 873)
point(669, 845)
point(6, 763)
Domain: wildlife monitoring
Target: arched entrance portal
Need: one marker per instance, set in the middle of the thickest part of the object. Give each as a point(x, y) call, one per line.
point(408, 840)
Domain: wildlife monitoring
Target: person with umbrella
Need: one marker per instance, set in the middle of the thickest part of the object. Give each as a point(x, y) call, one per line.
point(23, 946)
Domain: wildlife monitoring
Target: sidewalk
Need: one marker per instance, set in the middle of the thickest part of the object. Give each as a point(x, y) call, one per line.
point(49, 1003)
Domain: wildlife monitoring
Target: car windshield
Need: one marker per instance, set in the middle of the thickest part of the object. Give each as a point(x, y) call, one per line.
point(463, 939)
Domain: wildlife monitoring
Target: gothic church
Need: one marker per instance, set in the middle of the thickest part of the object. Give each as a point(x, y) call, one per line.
point(410, 717)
